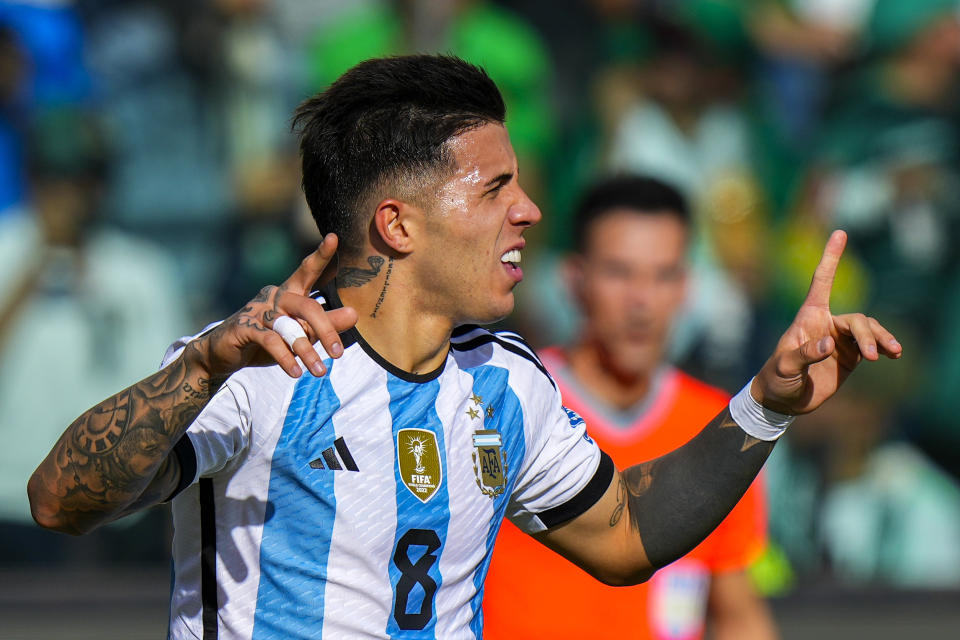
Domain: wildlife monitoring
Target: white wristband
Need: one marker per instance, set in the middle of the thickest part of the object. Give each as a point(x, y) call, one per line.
point(755, 419)
point(289, 329)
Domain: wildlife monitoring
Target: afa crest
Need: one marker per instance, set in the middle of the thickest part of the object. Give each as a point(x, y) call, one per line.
point(489, 462)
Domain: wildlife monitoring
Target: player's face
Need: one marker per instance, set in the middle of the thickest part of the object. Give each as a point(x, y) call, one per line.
point(475, 228)
point(630, 282)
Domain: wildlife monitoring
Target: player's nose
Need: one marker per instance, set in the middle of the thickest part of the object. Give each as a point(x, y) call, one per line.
point(524, 212)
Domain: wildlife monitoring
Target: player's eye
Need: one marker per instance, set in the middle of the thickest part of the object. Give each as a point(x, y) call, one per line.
point(500, 183)
point(495, 189)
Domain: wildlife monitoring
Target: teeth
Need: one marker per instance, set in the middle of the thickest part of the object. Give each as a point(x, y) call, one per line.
point(511, 256)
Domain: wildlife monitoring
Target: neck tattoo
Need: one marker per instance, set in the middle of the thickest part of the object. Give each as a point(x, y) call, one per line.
point(356, 277)
point(383, 292)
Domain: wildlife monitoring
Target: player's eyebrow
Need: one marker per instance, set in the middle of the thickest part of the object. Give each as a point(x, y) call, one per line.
point(501, 179)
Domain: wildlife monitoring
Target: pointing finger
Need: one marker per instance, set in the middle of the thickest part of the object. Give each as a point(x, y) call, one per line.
point(310, 269)
point(819, 293)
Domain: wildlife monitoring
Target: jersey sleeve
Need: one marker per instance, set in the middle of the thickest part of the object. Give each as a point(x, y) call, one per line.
point(564, 472)
point(220, 433)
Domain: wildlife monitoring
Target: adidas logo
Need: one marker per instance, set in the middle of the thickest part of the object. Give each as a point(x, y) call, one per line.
point(329, 458)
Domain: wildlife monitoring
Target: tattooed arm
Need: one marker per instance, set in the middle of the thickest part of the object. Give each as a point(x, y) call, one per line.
point(116, 457)
point(655, 512)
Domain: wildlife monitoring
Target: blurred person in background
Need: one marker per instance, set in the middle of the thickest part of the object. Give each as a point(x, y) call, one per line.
point(799, 48)
point(868, 485)
point(629, 279)
point(687, 126)
point(12, 115)
point(196, 98)
point(41, 67)
point(78, 300)
point(158, 73)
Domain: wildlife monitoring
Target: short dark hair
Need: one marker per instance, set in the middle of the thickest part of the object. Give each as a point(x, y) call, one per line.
point(642, 194)
point(386, 120)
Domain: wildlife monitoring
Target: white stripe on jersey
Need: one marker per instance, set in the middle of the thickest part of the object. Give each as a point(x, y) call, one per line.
point(240, 497)
point(368, 498)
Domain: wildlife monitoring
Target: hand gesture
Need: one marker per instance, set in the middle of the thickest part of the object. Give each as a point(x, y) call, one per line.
point(253, 336)
point(819, 350)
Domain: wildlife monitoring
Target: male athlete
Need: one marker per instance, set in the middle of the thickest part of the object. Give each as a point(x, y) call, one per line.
point(628, 276)
point(300, 507)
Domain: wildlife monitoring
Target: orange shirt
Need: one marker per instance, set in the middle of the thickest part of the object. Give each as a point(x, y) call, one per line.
point(532, 592)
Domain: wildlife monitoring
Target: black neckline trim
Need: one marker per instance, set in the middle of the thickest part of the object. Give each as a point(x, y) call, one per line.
point(351, 336)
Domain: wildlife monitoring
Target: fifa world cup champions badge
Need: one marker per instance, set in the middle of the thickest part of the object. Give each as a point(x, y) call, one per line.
point(489, 461)
point(419, 457)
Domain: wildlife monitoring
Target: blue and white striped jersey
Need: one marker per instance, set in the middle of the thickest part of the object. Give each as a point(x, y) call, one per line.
point(365, 504)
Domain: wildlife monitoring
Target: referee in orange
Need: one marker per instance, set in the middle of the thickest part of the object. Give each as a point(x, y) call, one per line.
point(629, 277)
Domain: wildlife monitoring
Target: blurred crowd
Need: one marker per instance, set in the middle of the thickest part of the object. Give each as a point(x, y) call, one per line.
point(149, 184)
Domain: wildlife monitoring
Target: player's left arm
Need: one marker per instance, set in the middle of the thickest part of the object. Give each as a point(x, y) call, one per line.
point(735, 611)
point(656, 512)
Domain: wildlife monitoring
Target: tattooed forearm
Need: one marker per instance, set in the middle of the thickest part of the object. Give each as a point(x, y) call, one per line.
point(676, 500)
point(111, 455)
point(383, 292)
point(355, 276)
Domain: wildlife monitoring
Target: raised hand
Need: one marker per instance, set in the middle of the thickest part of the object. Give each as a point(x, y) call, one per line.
point(819, 350)
point(114, 458)
point(249, 338)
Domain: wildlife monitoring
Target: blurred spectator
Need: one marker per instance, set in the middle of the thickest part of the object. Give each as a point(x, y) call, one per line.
point(12, 117)
point(260, 88)
point(800, 45)
point(888, 170)
point(158, 83)
point(82, 308)
point(41, 66)
point(197, 98)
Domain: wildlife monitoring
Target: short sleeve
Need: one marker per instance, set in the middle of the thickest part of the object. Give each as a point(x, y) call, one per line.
point(564, 472)
point(220, 433)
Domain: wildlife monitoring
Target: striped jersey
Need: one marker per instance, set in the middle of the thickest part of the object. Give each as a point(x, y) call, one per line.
point(365, 504)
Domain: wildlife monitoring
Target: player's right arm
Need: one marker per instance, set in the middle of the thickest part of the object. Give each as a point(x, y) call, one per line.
point(116, 457)
point(656, 512)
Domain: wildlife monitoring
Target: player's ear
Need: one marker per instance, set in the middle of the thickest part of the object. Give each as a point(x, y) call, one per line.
point(393, 222)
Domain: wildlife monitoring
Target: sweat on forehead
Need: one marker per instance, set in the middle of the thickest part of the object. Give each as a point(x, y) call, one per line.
point(386, 122)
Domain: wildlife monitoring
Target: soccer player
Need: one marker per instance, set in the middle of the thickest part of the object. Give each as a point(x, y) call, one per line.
point(363, 500)
point(628, 276)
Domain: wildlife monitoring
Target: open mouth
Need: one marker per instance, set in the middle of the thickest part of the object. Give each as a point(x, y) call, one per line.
point(511, 258)
point(511, 262)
